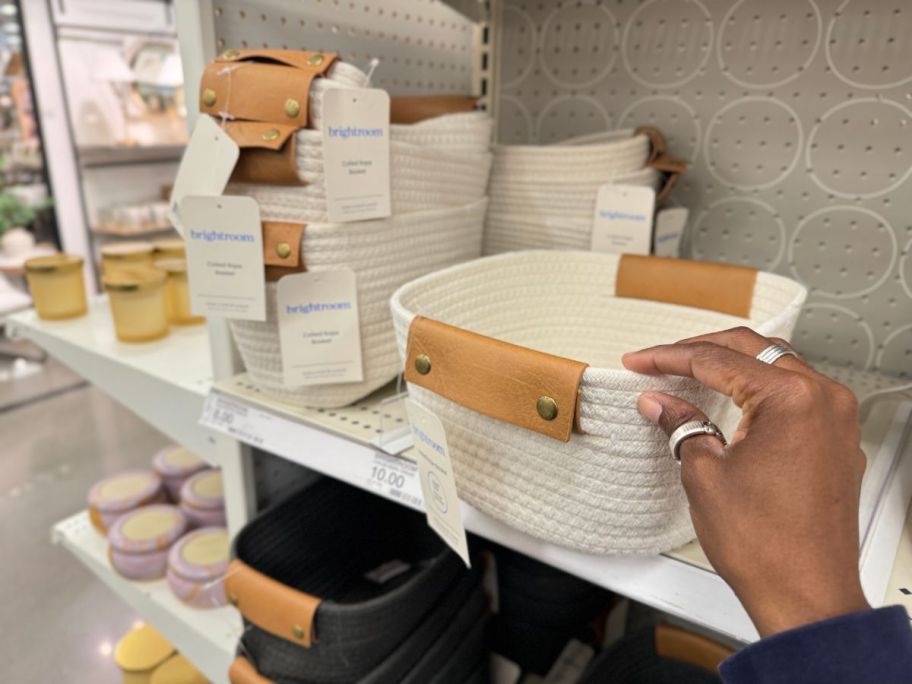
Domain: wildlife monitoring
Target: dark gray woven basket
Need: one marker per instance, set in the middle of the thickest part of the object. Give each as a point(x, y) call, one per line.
point(322, 540)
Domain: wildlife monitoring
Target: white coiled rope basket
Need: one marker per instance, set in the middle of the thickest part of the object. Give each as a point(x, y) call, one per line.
point(543, 196)
point(613, 487)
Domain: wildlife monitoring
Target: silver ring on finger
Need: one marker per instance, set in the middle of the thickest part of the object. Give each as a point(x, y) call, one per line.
point(774, 352)
point(693, 428)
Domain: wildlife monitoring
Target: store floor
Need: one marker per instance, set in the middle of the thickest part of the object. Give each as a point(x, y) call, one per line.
point(57, 437)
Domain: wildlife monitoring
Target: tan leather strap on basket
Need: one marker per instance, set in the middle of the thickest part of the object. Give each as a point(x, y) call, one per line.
point(243, 672)
point(409, 110)
point(660, 160)
point(271, 605)
point(725, 288)
point(518, 385)
point(268, 153)
point(675, 643)
point(282, 249)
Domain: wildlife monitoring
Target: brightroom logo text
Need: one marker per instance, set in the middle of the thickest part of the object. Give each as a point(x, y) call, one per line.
point(621, 216)
point(220, 236)
point(314, 307)
point(346, 132)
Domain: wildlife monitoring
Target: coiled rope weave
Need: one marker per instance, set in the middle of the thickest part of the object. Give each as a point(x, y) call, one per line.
point(544, 196)
point(613, 489)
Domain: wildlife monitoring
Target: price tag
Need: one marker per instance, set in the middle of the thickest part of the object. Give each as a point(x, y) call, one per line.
point(623, 219)
point(318, 328)
point(232, 418)
point(205, 168)
point(438, 484)
point(356, 154)
point(669, 229)
point(394, 478)
point(224, 240)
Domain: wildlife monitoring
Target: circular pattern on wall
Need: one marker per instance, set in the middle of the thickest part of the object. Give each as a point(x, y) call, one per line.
point(753, 142)
point(843, 251)
point(579, 43)
point(671, 115)
point(571, 116)
point(519, 39)
point(767, 43)
point(861, 148)
point(827, 332)
point(667, 42)
point(895, 354)
point(514, 122)
point(905, 269)
point(739, 230)
point(870, 49)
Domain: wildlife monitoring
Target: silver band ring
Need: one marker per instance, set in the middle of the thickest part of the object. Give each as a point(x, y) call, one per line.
point(774, 352)
point(692, 428)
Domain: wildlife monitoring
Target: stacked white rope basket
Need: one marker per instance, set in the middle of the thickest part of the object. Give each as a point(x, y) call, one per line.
point(543, 197)
point(439, 171)
point(612, 488)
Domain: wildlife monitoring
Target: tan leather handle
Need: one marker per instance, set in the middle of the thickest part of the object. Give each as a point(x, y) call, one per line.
point(271, 605)
point(242, 672)
point(675, 643)
point(318, 62)
point(282, 249)
point(268, 153)
point(725, 288)
point(409, 110)
point(660, 160)
point(518, 385)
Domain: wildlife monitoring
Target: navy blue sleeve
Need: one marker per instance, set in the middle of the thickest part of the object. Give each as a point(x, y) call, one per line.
point(868, 646)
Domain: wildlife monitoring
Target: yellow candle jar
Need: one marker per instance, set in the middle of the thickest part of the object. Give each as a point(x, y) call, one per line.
point(57, 286)
point(137, 297)
point(169, 248)
point(121, 255)
point(177, 292)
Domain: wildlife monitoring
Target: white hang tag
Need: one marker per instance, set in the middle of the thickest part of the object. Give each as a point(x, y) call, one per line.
point(356, 163)
point(224, 240)
point(441, 503)
point(504, 670)
point(205, 168)
point(623, 219)
point(669, 229)
point(318, 328)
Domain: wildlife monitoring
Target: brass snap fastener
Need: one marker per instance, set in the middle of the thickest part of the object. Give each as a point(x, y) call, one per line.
point(423, 364)
point(546, 407)
point(292, 107)
point(209, 97)
point(233, 599)
point(283, 249)
point(230, 54)
point(315, 60)
point(297, 632)
point(271, 134)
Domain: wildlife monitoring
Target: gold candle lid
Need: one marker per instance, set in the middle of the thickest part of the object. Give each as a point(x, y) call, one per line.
point(169, 246)
point(127, 251)
point(172, 265)
point(134, 279)
point(54, 262)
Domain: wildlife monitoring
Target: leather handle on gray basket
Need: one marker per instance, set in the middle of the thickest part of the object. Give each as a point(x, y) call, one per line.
point(242, 672)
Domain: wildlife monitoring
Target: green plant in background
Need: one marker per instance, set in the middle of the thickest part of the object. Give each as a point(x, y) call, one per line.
point(14, 213)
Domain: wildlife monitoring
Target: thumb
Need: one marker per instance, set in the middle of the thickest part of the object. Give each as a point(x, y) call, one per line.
point(669, 413)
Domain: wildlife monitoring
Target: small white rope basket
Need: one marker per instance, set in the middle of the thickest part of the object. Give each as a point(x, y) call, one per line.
point(519, 355)
point(384, 254)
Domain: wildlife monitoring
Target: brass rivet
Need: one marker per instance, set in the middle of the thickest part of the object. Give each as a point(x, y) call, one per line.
point(292, 107)
point(271, 134)
point(230, 54)
point(298, 632)
point(233, 599)
point(209, 97)
point(283, 249)
point(546, 407)
point(315, 60)
point(423, 364)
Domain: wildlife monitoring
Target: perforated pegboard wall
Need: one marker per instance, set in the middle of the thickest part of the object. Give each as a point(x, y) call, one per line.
point(424, 46)
point(796, 116)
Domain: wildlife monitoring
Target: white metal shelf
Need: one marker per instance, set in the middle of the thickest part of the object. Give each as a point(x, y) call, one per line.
point(344, 444)
point(208, 638)
point(164, 382)
point(91, 157)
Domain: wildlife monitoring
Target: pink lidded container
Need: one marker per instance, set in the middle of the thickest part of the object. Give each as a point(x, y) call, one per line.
point(175, 465)
point(140, 540)
point(202, 499)
point(112, 497)
point(196, 565)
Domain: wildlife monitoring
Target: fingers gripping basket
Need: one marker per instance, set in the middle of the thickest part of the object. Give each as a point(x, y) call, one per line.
point(544, 196)
point(519, 355)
